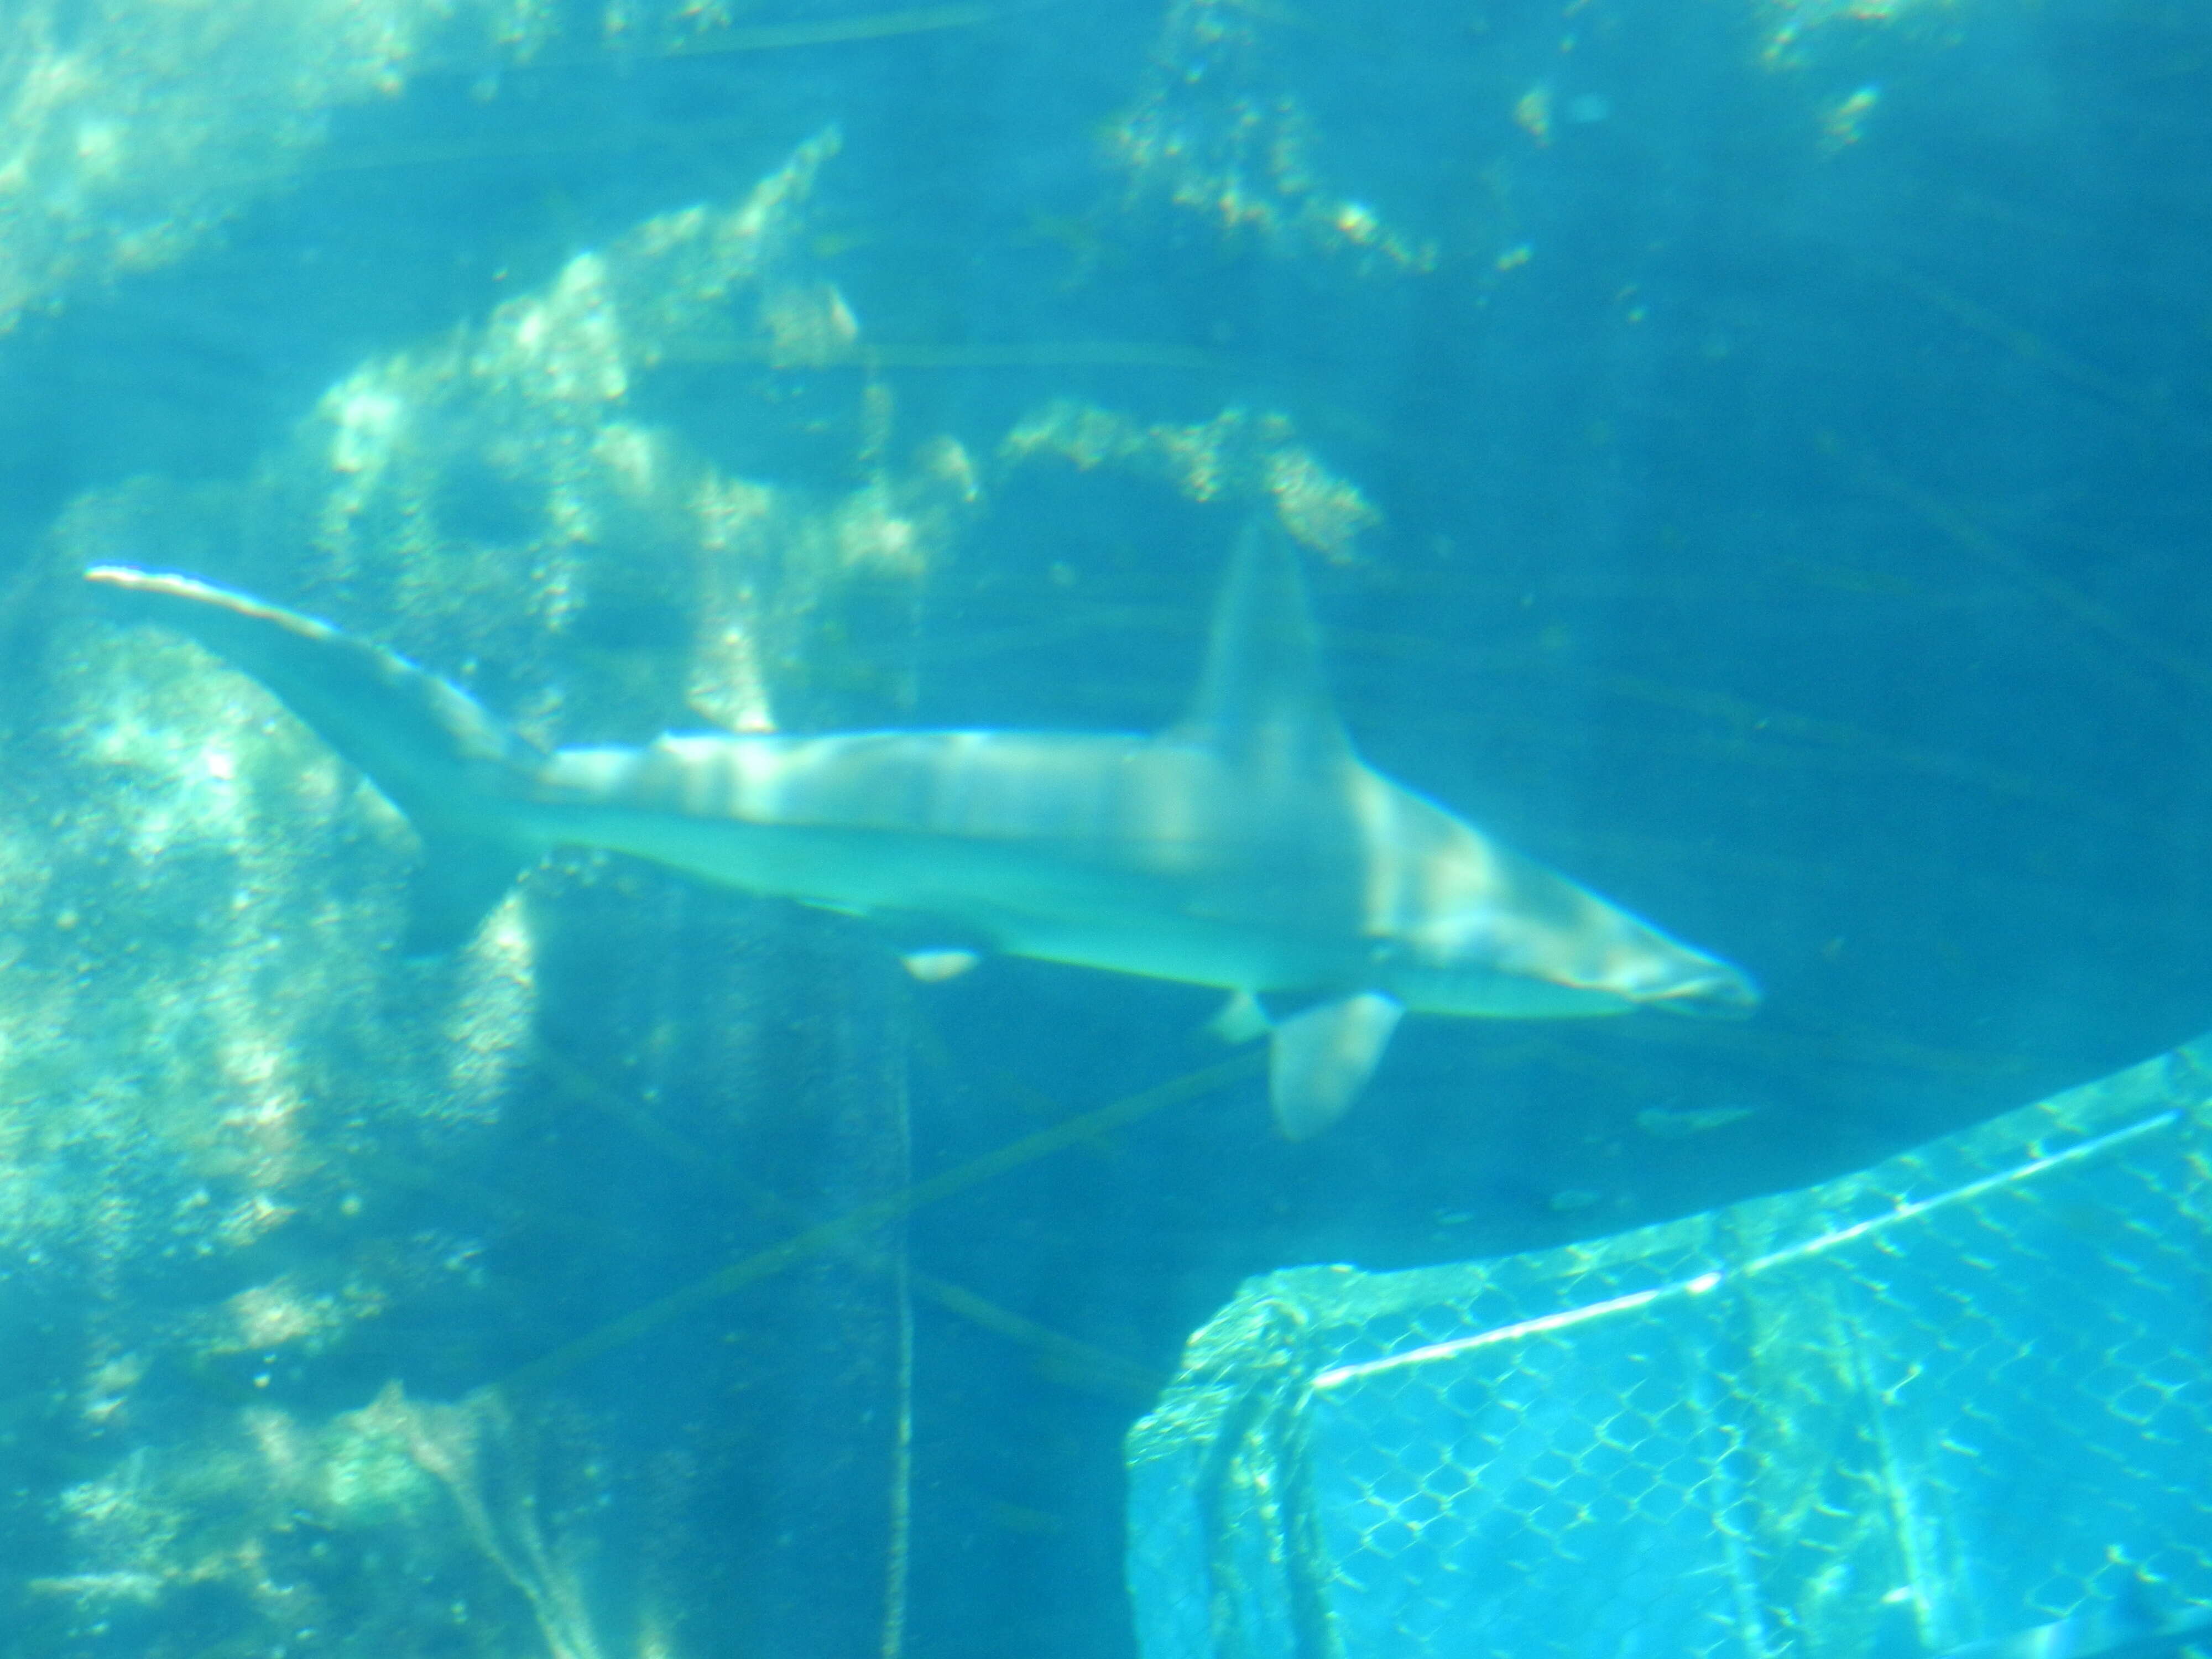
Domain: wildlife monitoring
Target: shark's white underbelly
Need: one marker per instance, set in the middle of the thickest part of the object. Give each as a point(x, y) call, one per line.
point(1092, 904)
point(1137, 855)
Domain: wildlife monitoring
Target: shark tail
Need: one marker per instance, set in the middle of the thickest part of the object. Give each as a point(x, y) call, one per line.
point(458, 775)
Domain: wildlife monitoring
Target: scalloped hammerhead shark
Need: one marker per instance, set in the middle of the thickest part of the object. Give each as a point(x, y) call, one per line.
point(1247, 847)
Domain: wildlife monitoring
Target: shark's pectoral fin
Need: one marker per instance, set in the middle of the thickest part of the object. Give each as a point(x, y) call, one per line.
point(1319, 1060)
point(462, 880)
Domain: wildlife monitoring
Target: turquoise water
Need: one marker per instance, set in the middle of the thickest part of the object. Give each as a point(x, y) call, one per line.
point(1749, 456)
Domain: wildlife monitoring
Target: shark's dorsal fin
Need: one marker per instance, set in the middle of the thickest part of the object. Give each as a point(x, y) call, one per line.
point(1263, 691)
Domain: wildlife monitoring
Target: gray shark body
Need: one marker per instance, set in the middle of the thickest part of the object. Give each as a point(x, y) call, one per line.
point(1247, 847)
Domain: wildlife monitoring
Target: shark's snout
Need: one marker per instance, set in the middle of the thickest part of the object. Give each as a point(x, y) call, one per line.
point(1720, 993)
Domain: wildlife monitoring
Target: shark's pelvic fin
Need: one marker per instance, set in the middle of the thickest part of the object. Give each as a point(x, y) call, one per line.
point(1264, 691)
point(1318, 1062)
point(436, 753)
point(936, 967)
point(1239, 1019)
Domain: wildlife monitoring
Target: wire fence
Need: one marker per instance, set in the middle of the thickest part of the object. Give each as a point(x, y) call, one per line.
point(1944, 1401)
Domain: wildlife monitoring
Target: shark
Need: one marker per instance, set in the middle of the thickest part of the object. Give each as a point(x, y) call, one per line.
point(1247, 847)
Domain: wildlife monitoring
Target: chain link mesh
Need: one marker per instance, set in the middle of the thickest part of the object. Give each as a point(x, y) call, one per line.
point(1959, 1395)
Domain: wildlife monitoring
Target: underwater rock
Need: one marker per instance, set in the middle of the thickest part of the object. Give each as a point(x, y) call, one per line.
point(1217, 131)
point(1237, 455)
point(254, 1165)
point(125, 139)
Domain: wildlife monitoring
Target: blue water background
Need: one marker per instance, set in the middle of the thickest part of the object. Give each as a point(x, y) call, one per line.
point(1805, 545)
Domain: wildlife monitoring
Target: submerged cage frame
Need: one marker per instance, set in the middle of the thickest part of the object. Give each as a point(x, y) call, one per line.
point(1949, 1401)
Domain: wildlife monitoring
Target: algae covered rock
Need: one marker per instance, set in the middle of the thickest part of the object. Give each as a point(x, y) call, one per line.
point(256, 1167)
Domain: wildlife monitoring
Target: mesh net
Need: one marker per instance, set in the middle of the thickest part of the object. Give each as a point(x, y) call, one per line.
point(1957, 1396)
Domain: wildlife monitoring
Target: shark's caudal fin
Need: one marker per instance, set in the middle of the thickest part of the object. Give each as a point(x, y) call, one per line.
point(1263, 693)
point(436, 754)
